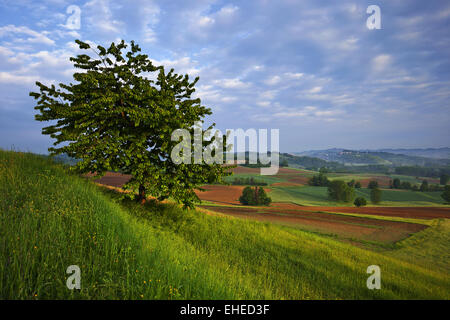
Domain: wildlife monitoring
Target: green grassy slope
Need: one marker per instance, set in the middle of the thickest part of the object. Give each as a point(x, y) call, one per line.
point(50, 220)
point(318, 196)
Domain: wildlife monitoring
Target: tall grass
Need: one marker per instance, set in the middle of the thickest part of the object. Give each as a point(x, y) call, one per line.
point(50, 220)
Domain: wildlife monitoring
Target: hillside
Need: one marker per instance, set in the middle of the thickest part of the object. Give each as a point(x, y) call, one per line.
point(368, 157)
point(50, 220)
point(437, 153)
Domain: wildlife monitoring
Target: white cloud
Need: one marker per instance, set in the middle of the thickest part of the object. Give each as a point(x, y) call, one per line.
point(233, 83)
point(100, 18)
point(10, 77)
point(381, 62)
point(273, 80)
point(315, 89)
point(291, 75)
point(35, 37)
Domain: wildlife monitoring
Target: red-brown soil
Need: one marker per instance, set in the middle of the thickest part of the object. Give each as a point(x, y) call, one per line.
point(403, 212)
point(345, 226)
point(221, 194)
point(113, 179)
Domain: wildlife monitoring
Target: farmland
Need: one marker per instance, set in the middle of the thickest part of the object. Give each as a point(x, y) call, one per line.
point(51, 219)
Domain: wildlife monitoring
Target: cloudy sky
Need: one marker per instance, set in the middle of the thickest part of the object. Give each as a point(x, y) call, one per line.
point(309, 68)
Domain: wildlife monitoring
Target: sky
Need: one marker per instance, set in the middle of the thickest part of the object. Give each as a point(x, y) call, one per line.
point(312, 69)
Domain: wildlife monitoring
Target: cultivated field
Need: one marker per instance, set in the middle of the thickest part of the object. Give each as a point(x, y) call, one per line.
point(50, 220)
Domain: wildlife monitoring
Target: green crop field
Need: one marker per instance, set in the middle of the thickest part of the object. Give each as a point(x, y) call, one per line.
point(50, 220)
point(318, 196)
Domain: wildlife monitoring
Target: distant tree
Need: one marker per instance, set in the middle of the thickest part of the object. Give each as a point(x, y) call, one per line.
point(324, 170)
point(435, 187)
point(319, 180)
point(262, 197)
point(358, 185)
point(375, 195)
point(284, 163)
point(114, 118)
point(360, 202)
point(406, 185)
point(373, 184)
point(254, 196)
point(415, 188)
point(396, 183)
point(351, 183)
point(338, 190)
point(446, 194)
point(444, 179)
point(424, 186)
point(248, 196)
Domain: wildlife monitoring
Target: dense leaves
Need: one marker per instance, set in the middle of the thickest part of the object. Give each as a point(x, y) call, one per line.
point(254, 196)
point(375, 195)
point(360, 202)
point(115, 118)
point(338, 190)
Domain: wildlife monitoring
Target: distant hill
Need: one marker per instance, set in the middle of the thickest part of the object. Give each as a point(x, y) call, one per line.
point(436, 153)
point(378, 157)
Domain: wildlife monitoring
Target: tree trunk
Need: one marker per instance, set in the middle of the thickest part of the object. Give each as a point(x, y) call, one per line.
point(141, 198)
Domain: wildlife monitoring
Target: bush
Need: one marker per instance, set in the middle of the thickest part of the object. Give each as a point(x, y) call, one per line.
point(424, 186)
point(446, 194)
point(254, 196)
point(338, 190)
point(358, 185)
point(373, 184)
point(360, 202)
point(375, 195)
point(444, 179)
point(319, 180)
point(248, 182)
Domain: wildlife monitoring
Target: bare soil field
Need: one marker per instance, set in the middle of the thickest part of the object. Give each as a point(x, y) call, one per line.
point(402, 212)
point(221, 194)
point(344, 226)
point(112, 179)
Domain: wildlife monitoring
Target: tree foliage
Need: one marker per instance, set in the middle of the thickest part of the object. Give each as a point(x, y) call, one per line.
point(360, 202)
point(424, 186)
point(338, 190)
point(444, 179)
point(446, 194)
point(319, 180)
point(114, 118)
point(375, 195)
point(254, 196)
point(372, 184)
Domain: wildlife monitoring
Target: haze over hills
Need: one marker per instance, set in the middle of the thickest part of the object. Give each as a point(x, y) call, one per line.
point(389, 157)
point(437, 153)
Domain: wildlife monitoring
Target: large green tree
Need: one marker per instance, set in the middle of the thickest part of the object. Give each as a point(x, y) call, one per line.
point(114, 117)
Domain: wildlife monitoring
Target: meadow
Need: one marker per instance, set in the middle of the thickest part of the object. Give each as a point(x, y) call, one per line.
point(50, 219)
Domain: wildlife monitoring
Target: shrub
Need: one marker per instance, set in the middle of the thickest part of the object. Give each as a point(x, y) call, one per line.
point(375, 195)
point(319, 180)
point(373, 184)
point(254, 196)
point(360, 202)
point(424, 186)
point(446, 194)
point(338, 190)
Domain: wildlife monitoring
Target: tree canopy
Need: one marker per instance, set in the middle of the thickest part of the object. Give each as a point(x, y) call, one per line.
point(115, 118)
point(338, 190)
